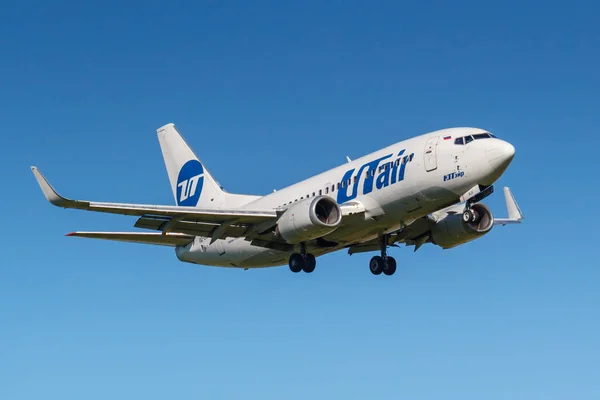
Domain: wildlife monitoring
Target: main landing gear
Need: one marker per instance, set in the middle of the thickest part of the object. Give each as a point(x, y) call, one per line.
point(383, 263)
point(302, 261)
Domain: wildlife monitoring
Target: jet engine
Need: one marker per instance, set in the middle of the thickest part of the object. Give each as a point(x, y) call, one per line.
point(309, 219)
point(452, 230)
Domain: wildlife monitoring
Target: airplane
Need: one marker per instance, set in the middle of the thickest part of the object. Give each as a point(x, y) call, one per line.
point(427, 189)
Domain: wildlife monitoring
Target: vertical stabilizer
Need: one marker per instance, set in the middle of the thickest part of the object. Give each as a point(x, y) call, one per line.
point(191, 183)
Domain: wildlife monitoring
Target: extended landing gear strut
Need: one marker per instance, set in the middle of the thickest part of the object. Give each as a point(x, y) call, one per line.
point(383, 263)
point(302, 261)
point(470, 215)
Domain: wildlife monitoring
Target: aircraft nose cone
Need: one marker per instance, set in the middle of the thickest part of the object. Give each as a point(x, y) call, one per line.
point(500, 155)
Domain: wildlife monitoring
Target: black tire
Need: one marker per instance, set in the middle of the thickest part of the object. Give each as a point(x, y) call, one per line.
point(390, 266)
point(467, 216)
point(296, 262)
point(310, 263)
point(376, 265)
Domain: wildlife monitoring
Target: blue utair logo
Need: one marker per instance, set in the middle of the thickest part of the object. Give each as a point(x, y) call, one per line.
point(373, 175)
point(189, 183)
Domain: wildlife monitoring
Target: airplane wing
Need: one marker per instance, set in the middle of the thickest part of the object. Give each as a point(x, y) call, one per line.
point(418, 233)
point(515, 216)
point(215, 223)
point(168, 239)
point(415, 234)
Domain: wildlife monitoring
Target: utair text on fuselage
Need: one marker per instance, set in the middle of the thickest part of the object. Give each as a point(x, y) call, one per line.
point(375, 174)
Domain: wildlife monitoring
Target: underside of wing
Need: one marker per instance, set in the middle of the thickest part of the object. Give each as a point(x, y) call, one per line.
point(156, 238)
point(415, 234)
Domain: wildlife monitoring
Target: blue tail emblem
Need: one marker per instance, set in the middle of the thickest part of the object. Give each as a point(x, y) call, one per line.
point(189, 183)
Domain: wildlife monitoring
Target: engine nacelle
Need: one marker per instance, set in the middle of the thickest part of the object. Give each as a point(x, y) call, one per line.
point(309, 219)
point(452, 230)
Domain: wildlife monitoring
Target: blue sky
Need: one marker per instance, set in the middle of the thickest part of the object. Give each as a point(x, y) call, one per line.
point(267, 94)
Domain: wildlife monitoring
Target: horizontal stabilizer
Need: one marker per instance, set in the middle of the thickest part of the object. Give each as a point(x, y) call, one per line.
point(156, 238)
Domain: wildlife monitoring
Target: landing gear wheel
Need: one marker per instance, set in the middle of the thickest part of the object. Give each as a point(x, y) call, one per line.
point(468, 215)
point(389, 267)
point(296, 262)
point(309, 263)
point(376, 265)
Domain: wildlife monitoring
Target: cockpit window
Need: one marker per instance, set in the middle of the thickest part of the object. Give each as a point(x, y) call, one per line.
point(470, 138)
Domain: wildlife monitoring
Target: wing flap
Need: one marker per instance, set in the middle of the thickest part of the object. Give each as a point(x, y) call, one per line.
point(155, 238)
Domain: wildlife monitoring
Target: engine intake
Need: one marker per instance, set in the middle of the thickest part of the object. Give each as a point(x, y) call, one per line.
point(453, 230)
point(309, 219)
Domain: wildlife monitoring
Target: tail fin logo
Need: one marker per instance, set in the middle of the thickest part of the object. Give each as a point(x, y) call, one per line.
point(189, 183)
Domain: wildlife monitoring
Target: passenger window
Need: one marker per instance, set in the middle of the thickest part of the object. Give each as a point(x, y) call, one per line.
point(327, 190)
point(343, 184)
point(411, 157)
point(397, 162)
point(314, 194)
point(320, 192)
point(468, 139)
point(459, 141)
point(338, 186)
point(373, 172)
point(333, 188)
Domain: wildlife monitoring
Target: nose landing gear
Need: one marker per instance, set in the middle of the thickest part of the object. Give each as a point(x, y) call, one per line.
point(470, 215)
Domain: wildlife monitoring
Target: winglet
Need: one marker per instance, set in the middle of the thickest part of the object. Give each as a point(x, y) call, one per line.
point(515, 216)
point(51, 195)
point(514, 212)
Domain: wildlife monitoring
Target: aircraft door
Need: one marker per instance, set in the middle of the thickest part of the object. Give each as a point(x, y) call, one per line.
point(431, 154)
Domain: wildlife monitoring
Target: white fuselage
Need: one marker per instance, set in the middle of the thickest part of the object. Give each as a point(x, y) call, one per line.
point(396, 185)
